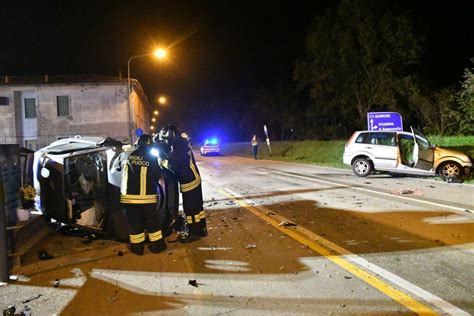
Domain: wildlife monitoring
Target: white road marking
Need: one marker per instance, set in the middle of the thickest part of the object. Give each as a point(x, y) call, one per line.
point(376, 270)
point(373, 191)
point(407, 286)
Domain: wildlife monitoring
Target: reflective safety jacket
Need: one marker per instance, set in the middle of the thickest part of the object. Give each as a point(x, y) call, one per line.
point(141, 173)
point(183, 165)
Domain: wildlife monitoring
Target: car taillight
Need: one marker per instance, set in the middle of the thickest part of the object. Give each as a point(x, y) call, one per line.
point(348, 142)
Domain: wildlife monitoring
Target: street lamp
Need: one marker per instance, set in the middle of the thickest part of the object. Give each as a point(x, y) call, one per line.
point(162, 100)
point(160, 54)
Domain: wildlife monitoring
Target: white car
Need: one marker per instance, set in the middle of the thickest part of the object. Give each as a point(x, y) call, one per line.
point(211, 147)
point(404, 153)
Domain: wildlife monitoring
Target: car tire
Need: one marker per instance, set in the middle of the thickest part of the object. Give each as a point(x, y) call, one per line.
point(362, 167)
point(450, 171)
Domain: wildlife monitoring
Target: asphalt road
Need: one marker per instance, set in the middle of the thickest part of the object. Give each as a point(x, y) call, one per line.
point(285, 239)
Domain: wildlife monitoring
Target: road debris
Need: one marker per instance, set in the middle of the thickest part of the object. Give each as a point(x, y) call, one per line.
point(56, 283)
point(251, 246)
point(120, 253)
point(347, 277)
point(271, 213)
point(112, 298)
point(9, 311)
point(193, 283)
point(31, 299)
point(406, 192)
point(287, 224)
point(44, 255)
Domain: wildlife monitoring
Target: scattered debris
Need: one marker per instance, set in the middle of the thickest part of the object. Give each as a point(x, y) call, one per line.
point(432, 186)
point(251, 246)
point(287, 224)
point(56, 283)
point(112, 298)
point(44, 255)
point(193, 283)
point(467, 211)
point(9, 311)
point(32, 299)
point(120, 253)
point(26, 311)
point(343, 305)
point(368, 182)
point(347, 277)
point(271, 213)
point(281, 268)
point(406, 192)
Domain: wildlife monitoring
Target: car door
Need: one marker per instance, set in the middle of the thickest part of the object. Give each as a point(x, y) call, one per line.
point(423, 152)
point(383, 147)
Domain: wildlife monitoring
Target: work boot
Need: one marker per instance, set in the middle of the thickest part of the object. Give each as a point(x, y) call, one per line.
point(189, 238)
point(137, 248)
point(158, 246)
point(204, 232)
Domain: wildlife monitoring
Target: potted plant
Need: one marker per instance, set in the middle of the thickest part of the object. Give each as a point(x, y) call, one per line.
point(28, 194)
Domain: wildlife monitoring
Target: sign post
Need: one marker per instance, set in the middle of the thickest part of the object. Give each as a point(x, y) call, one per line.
point(384, 121)
point(268, 139)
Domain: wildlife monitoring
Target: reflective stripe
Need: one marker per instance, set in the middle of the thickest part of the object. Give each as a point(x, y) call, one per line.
point(138, 199)
point(143, 171)
point(123, 187)
point(136, 239)
point(186, 187)
point(196, 218)
point(155, 236)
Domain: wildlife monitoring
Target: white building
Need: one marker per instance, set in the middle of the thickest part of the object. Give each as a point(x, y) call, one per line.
point(36, 110)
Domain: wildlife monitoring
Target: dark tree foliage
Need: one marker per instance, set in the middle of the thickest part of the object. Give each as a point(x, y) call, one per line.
point(360, 57)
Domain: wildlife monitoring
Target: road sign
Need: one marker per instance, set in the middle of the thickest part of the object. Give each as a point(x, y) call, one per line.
point(384, 121)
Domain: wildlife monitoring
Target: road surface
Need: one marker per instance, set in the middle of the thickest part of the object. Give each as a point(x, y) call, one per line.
point(285, 239)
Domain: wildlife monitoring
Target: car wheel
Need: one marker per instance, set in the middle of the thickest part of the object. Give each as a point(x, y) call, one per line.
point(450, 170)
point(362, 167)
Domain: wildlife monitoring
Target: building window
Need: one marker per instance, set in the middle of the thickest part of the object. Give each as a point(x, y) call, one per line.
point(30, 108)
point(4, 101)
point(62, 102)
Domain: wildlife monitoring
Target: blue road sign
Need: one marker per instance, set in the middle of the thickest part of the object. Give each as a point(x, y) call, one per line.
point(384, 121)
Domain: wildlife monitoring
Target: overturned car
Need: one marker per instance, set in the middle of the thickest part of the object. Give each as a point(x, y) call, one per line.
point(78, 184)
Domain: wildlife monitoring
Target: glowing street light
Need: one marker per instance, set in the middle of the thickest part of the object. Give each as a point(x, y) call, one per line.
point(160, 54)
point(162, 100)
point(152, 127)
point(153, 119)
point(156, 112)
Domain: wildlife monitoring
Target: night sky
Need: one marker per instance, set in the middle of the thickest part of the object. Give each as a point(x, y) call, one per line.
point(219, 50)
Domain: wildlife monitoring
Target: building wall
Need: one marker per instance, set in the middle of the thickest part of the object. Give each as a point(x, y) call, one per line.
point(94, 110)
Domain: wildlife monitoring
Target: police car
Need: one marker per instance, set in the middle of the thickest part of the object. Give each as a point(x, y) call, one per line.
point(211, 147)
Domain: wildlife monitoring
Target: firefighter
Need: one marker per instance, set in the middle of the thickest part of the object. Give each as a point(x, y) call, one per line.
point(177, 156)
point(140, 195)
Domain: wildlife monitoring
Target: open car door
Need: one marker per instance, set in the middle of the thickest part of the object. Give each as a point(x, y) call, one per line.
point(423, 152)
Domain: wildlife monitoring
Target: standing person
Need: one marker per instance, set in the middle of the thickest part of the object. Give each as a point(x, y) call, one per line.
point(179, 159)
point(139, 193)
point(254, 147)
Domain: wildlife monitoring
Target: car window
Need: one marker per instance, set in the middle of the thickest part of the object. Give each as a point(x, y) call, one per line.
point(362, 138)
point(387, 139)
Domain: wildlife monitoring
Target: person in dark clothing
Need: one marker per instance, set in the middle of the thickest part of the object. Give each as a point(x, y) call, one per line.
point(139, 193)
point(177, 156)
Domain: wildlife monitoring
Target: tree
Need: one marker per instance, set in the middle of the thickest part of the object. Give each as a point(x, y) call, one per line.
point(439, 111)
point(358, 59)
point(465, 98)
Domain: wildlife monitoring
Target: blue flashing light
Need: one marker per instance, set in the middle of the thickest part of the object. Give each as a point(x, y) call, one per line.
point(213, 141)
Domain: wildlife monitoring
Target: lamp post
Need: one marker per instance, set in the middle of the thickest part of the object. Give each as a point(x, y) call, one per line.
point(160, 54)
